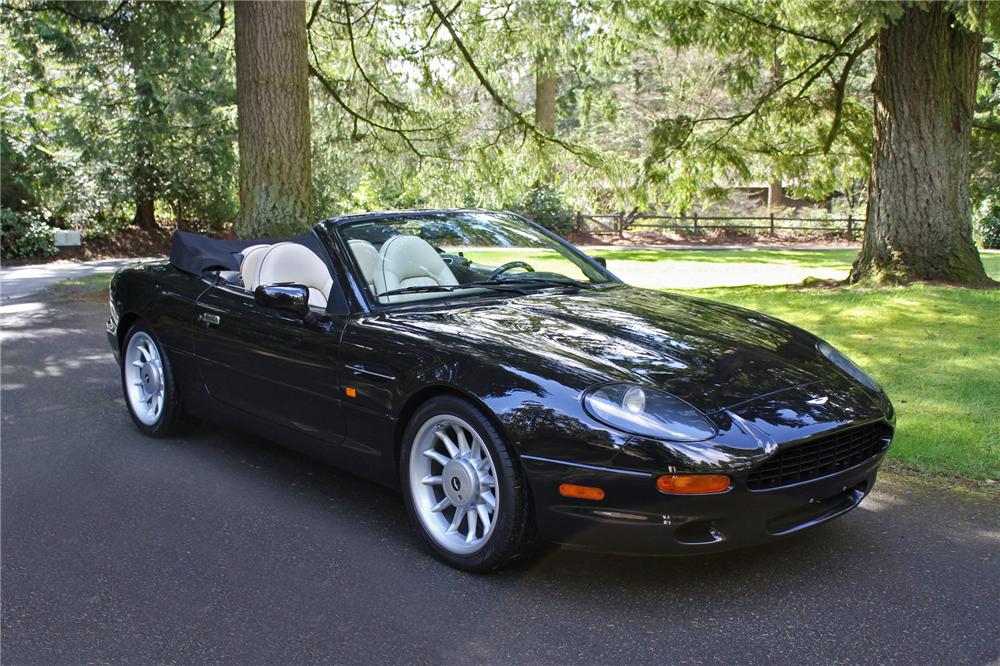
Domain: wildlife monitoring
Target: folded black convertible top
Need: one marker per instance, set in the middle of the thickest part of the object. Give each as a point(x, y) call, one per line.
point(194, 253)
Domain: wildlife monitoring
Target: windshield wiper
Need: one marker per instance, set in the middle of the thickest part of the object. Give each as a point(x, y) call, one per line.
point(542, 281)
point(429, 288)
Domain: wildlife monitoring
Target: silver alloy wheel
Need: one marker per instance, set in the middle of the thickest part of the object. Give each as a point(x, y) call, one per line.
point(143, 376)
point(453, 484)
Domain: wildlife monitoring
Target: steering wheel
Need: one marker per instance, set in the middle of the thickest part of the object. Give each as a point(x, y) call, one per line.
point(509, 266)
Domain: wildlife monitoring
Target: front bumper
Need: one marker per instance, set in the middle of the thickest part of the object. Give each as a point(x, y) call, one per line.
point(636, 518)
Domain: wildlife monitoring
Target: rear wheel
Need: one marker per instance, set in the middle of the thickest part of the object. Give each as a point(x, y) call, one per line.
point(148, 384)
point(464, 493)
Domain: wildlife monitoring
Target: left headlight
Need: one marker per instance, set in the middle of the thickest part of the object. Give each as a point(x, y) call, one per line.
point(847, 365)
point(647, 412)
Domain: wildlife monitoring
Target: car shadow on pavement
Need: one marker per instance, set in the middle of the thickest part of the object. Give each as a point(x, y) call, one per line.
point(878, 531)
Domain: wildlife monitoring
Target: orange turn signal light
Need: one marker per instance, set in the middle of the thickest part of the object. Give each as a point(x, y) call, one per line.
point(581, 492)
point(351, 392)
point(693, 484)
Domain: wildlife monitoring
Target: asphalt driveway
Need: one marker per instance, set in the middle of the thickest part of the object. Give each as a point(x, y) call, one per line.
point(222, 548)
point(21, 281)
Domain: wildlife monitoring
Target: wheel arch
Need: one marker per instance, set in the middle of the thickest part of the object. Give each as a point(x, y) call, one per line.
point(125, 322)
point(418, 398)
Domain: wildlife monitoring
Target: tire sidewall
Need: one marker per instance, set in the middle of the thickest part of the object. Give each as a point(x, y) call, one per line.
point(170, 416)
point(505, 539)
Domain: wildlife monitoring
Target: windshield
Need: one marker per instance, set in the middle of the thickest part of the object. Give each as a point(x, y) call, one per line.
point(436, 255)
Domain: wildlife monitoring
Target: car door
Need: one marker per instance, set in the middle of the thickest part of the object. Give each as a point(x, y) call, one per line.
point(270, 363)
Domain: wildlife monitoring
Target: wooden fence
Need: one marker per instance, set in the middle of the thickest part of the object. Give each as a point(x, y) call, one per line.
point(618, 223)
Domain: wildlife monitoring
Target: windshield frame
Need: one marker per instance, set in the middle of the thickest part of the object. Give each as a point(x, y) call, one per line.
point(334, 226)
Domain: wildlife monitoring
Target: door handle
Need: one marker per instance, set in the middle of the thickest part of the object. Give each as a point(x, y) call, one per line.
point(209, 319)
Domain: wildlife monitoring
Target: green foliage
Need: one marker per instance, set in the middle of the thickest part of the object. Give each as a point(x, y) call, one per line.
point(546, 206)
point(660, 105)
point(108, 103)
point(989, 227)
point(25, 235)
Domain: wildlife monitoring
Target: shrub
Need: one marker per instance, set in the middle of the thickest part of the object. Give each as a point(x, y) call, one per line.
point(25, 235)
point(989, 227)
point(547, 207)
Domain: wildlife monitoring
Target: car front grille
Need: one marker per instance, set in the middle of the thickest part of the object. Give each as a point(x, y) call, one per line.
point(820, 457)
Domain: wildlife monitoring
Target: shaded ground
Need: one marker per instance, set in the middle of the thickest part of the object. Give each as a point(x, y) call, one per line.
point(222, 548)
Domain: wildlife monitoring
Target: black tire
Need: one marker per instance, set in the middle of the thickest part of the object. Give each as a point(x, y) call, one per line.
point(513, 531)
point(172, 420)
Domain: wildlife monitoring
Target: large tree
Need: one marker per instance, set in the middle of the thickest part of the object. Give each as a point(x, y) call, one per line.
point(272, 89)
point(888, 87)
point(919, 220)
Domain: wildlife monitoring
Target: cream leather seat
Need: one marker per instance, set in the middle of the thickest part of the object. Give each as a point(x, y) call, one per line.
point(250, 265)
point(247, 250)
point(291, 262)
point(409, 261)
point(366, 256)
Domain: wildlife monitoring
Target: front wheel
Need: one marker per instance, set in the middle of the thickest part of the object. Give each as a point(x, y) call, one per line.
point(148, 384)
point(463, 491)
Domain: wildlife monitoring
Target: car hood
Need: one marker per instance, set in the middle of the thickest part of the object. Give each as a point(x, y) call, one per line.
point(711, 354)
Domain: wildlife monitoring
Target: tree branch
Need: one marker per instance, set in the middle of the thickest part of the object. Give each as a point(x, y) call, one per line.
point(986, 126)
point(773, 26)
point(313, 14)
point(399, 106)
point(841, 87)
point(94, 20)
point(222, 19)
point(528, 127)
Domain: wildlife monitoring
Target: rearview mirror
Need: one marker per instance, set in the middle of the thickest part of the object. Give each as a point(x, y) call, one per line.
point(292, 298)
point(601, 260)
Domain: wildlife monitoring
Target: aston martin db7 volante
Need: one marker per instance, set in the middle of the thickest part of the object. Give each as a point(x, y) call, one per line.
point(514, 389)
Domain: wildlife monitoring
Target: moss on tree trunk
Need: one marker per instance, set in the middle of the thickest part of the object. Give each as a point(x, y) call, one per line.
point(272, 89)
point(919, 224)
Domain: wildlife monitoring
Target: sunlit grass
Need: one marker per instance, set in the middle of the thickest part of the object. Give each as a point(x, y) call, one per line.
point(936, 350)
point(689, 269)
point(87, 283)
point(692, 269)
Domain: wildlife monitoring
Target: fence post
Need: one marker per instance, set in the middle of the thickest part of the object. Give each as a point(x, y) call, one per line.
point(771, 223)
point(850, 227)
point(695, 216)
point(621, 224)
point(578, 225)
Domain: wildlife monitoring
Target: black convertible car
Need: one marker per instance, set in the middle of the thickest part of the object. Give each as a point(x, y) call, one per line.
point(515, 389)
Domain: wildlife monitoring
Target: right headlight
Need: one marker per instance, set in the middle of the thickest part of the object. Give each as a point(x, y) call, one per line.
point(847, 365)
point(647, 412)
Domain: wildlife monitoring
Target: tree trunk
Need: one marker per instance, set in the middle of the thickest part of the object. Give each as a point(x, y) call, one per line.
point(775, 194)
point(272, 91)
point(919, 224)
point(145, 217)
point(545, 97)
point(147, 112)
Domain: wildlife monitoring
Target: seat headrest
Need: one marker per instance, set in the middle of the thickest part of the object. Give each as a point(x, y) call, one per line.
point(366, 256)
point(291, 262)
point(247, 250)
point(250, 266)
point(409, 261)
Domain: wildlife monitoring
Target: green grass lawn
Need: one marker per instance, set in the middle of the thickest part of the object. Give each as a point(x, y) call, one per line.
point(694, 269)
point(935, 350)
point(690, 269)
